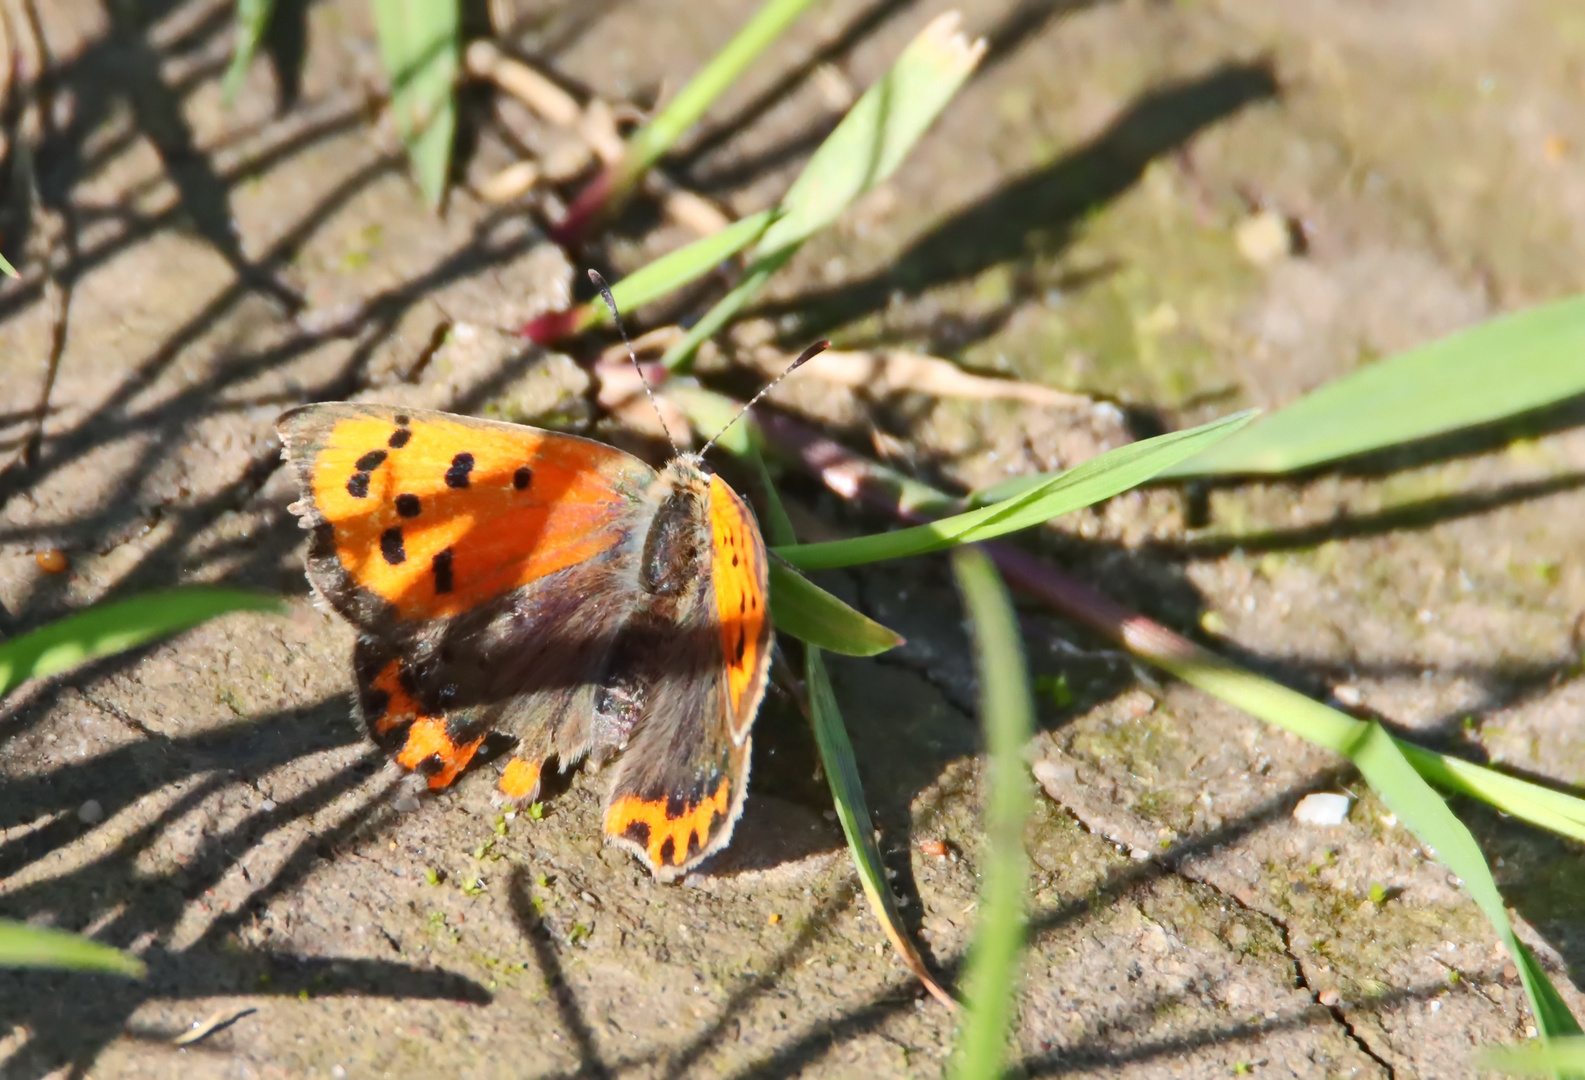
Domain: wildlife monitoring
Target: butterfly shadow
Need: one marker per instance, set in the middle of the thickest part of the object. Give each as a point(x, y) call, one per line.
point(125, 882)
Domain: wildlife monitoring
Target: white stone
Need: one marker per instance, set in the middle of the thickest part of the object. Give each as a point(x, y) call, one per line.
point(1322, 808)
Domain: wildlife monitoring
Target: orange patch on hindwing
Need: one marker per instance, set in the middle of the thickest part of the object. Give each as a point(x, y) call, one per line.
point(520, 779)
point(397, 706)
point(737, 569)
point(437, 515)
point(427, 743)
point(429, 738)
point(687, 828)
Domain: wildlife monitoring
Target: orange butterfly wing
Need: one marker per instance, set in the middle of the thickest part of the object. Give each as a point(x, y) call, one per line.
point(434, 514)
point(739, 572)
point(680, 790)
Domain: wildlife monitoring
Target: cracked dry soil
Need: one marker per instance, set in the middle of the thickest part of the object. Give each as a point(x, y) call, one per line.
point(1072, 219)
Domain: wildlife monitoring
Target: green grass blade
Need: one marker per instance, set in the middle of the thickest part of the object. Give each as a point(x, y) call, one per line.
point(841, 769)
point(116, 627)
point(1566, 1055)
point(724, 310)
point(1500, 368)
point(877, 132)
point(836, 751)
point(419, 48)
point(7, 269)
point(649, 143)
point(1009, 725)
point(864, 150)
point(1099, 478)
point(1556, 811)
point(1385, 767)
point(678, 268)
point(27, 946)
point(253, 18)
point(806, 611)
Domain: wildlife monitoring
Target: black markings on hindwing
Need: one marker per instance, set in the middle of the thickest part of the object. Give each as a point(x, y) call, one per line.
point(408, 505)
point(399, 438)
point(522, 477)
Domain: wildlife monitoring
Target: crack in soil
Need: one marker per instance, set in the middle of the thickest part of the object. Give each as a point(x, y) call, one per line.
point(1300, 980)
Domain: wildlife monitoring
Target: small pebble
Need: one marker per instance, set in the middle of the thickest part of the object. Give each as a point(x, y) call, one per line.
point(772, 919)
point(268, 806)
point(1264, 238)
point(934, 848)
point(1330, 998)
point(91, 812)
point(52, 561)
point(1322, 808)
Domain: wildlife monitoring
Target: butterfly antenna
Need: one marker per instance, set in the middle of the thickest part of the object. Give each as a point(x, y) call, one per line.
point(803, 358)
point(616, 317)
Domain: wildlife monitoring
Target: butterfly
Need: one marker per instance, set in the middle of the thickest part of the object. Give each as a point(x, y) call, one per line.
point(507, 579)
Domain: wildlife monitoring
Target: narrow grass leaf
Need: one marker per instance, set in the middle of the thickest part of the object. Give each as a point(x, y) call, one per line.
point(806, 611)
point(877, 133)
point(680, 355)
point(1099, 478)
point(649, 143)
point(1566, 1055)
point(1008, 717)
point(865, 149)
point(836, 756)
point(7, 269)
point(1385, 767)
point(24, 946)
point(419, 48)
point(253, 18)
point(116, 627)
point(678, 268)
point(1503, 367)
point(1556, 811)
point(842, 771)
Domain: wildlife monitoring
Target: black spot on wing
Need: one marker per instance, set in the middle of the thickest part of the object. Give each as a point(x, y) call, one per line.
point(403, 419)
point(375, 702)
point(358, 486)
point(408, 505)
point(522, 477)
point(457, 475)
point(371, 461)
point(399, 438)
point(668, 851)
point(391, 546)
point(441, 568)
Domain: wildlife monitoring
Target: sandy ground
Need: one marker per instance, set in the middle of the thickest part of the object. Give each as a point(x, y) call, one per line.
point(1074, 219)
